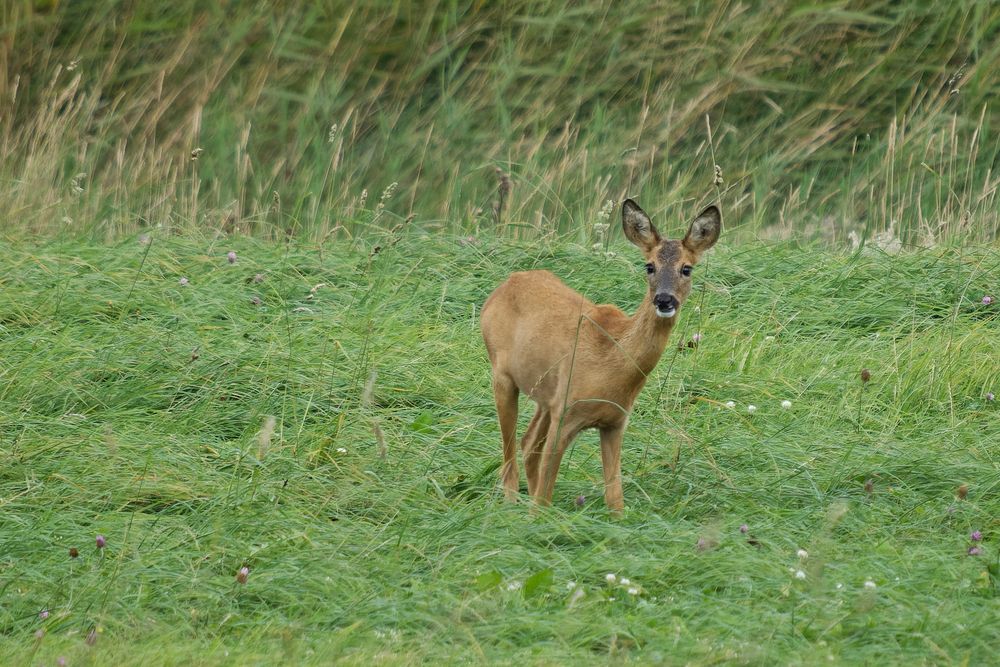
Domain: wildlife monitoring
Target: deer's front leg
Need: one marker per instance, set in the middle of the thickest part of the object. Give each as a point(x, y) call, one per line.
point(611, 458)
point(556, 442)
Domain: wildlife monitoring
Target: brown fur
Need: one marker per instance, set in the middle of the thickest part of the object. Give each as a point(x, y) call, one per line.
point(582, 364)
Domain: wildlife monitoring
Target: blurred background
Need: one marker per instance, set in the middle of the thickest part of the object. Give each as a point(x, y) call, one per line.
point(834, 121)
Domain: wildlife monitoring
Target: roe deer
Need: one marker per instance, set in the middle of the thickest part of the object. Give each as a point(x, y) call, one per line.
point(581, 363)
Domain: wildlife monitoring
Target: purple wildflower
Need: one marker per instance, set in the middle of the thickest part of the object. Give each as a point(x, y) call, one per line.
point(243, 574)
point(744, 529)
point(976, 536)
point(231, 256)
point(43, 614)
point(987, 300)
point(101, 541)
point(975, 551)
point(990, 396)
point(580, 500)
point(183, 282)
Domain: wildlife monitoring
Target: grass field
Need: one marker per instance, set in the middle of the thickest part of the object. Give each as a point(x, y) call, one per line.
point(289, 454)
point(368, 511)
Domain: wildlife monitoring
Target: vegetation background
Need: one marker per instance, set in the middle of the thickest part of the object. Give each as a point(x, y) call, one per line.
point(243, 247)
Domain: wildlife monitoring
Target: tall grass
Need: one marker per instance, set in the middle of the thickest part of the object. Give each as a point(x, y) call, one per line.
point(826, 118)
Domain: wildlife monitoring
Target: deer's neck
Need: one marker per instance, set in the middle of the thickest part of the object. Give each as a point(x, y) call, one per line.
point(646, 337)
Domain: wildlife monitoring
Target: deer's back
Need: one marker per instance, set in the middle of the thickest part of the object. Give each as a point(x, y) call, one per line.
point(532, 322)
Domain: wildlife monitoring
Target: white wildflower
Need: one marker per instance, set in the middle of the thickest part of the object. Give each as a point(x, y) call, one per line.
point(799, 574)
point(341, 450)
point(610, 578)
point(730, 404)
point(786, 404)
point(802, 553)
point(870, 584)
point(751, 409)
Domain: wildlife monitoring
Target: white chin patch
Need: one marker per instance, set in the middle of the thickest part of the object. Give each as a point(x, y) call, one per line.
point(666, 313)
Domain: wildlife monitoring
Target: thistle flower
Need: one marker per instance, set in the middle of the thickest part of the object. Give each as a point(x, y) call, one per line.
point(43, 614)
point(976, 536)
point(990, 396)
point(744, 529)
point(580, 500)
point(975, 551)
point(696, 337)
point(987, 300)
point(183, 282)
point(73, 553)
point(866, 375)
point(258, 278)
point(101, 541)
point(243, 574)
point(231, 256)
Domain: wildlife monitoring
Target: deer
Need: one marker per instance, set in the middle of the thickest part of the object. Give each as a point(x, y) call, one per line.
point(583, 364)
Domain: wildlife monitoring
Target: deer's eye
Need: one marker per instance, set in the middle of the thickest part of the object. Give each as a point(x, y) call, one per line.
point(650, 269)
point(686, 270)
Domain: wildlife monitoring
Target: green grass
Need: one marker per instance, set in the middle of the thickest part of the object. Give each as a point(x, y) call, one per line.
point(131, 406)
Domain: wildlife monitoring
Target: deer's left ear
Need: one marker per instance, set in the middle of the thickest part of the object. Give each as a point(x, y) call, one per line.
point(704, 231)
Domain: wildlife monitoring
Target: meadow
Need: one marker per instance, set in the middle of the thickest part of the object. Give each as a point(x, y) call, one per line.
point(245, 408)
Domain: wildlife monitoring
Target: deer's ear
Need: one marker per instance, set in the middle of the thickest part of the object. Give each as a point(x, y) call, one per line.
point(638, 227)
point(704, 231)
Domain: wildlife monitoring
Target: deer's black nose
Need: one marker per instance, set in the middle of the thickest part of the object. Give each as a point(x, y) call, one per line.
point(665, 302)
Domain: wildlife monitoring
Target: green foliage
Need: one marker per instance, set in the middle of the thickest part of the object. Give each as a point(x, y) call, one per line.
point(370, 517)
point(826, 118)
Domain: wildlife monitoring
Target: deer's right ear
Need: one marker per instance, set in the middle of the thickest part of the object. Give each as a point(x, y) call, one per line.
point(638, 227)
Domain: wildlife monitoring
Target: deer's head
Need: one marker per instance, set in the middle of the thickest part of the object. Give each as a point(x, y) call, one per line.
point(669, 264)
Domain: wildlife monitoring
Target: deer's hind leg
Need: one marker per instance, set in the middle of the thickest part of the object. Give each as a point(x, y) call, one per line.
point(532, 445)
point(505, 393)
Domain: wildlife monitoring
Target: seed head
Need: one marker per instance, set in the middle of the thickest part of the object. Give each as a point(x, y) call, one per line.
point(866, 375)
point(869, 485)
point(963, 491)
point(101, 541)
point(73, 553)
point(243, 575)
